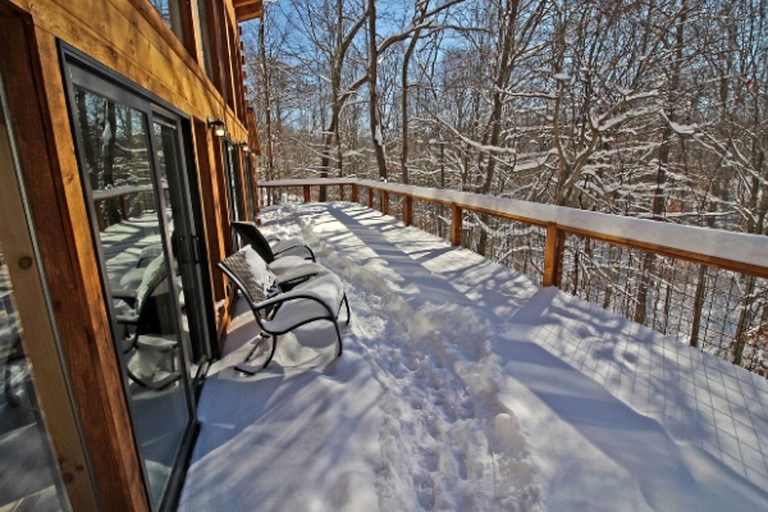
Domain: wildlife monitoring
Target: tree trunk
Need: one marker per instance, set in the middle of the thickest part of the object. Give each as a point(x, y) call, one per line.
point(112, 210)
point(377, 137)
point(404, 105)
point(658, 206)
point(503, 72)
point(269, 148)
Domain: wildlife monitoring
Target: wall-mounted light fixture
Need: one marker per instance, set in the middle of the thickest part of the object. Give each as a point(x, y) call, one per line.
point(219, 127)
point(246, 149)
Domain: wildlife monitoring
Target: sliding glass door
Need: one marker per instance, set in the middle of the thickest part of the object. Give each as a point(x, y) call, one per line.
point(134, 167)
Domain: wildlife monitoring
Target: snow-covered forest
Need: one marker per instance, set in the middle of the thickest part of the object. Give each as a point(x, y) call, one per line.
point(654, 109)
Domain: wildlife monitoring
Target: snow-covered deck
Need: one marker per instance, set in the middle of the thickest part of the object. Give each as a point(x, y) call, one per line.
point(464, 386)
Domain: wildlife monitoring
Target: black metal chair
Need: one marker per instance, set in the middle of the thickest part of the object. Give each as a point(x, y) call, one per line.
point(294, 262)
point(278, 312)
point(252, 235)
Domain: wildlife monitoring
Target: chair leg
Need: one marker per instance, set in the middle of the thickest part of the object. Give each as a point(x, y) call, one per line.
point(338, 336)
point(345, 300)
point(272, 353)
point(262, 336)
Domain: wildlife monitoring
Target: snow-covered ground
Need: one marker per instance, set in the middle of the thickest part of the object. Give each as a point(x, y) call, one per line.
point(464, 386)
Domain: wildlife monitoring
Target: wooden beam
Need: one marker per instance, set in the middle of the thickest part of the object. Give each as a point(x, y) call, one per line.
point(384, 200)
point(212, 198)
point(354, 192)
point(408, 210)
point(430, 195)
point(247, 12)
point(307, 194)
point(711, 261)
point(456, 225)
point(553, 256)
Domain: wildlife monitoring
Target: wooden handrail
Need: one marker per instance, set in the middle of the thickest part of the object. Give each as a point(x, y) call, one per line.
point(740, 252)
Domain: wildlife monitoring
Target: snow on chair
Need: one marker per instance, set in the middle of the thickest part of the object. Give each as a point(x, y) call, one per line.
point(279, 312)
point(290, 262)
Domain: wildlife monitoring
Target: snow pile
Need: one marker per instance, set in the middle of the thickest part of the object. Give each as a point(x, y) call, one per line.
point(463, 386)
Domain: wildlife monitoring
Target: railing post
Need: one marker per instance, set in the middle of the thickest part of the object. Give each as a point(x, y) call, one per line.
point(354, 192)
point(370, 198)
point(124, 214)
point(456, 225)
point(307, 196)
point(553, 256)
point(384, 199)
point(408, 210)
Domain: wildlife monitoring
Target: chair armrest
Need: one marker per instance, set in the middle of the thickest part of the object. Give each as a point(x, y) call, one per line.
point(324, 289)
point(127, 319)
point(284, 245)
point(294, 247)
point(127, 296)
point(297, 275)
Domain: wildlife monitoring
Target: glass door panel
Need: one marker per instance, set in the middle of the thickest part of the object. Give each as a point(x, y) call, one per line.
point(234, 190)
point(183, 240)
point(249, 183)
point(133, 220)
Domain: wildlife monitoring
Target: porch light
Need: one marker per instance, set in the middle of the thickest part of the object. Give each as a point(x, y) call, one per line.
point(219, 127)
point(246, 149)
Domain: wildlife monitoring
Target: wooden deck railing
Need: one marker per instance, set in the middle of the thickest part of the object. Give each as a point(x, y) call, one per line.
point(726, 310)
point(739, 252)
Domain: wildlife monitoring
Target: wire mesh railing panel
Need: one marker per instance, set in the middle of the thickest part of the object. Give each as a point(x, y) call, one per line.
point(395, 203)
point(516, 245)
point(434, 218)
point(334, 193)
point(723, 313)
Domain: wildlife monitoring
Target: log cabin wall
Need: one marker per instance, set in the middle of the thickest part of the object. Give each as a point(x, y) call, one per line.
point(195, 67)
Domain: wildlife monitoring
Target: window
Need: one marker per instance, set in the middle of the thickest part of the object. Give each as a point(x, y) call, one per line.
point(204, 24)
point(178, 16)
point(171, 13)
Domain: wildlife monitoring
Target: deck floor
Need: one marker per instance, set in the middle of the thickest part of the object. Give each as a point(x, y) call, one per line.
point(464, 386)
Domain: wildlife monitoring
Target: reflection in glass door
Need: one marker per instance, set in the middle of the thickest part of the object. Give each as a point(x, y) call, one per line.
point(184, 240)
point(234, 190)
point(132, 164)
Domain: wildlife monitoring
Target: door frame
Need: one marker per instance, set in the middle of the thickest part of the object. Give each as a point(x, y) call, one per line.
point(80, 68)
